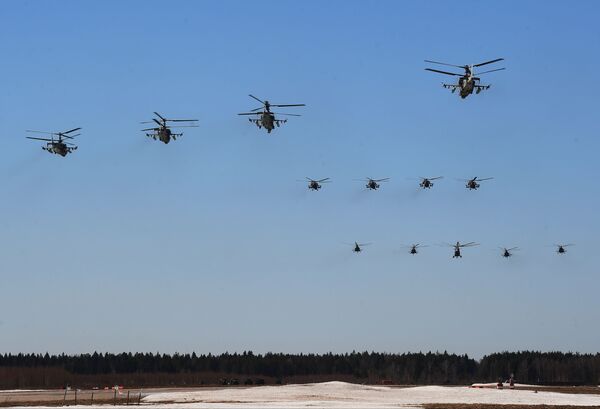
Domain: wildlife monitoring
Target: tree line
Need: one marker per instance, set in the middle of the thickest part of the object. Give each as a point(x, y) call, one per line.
point(154, 369)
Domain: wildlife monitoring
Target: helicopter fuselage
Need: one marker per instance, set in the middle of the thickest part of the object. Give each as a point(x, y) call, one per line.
point(314, 185)
point(164, 135)
point(372, 185)
point(472, 185)
point(426, 184)
point(58, 148)
point(457, 253)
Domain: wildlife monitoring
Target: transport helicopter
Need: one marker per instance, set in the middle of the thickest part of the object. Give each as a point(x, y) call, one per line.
point(163, 132)
point(266, 118)
point(372, 184)
point(426, 183)
point(473, 184)
point(459, 246)
point(56, 143)
point(561, 248)
point(414, 248)
point(358, 246)
point(506, 253)
point(468, 82)
point(315, 184)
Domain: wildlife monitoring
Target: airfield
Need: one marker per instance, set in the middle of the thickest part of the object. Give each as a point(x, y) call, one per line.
point(325, 395)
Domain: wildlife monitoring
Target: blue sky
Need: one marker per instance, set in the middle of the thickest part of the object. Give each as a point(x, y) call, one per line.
point(209, 244)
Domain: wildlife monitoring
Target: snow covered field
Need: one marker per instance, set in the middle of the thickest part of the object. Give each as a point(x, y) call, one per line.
point(345, 395)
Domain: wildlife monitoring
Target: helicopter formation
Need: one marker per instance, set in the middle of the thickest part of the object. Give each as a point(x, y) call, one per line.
point(60, 143)
point(375, 184)
point(413, 249)
point(267, 119)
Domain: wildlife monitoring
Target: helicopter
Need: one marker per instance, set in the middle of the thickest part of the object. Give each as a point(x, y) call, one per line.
point(561, 248)
point(472, 184)
point(373, 184)
point(467, 83)
point(58, 146)
point(358, 246)
point(163, 133)
point(316, 184)
point(458, 246)
point(413, 248)
point(266, 119)
point(426, 183)
point(506, 253)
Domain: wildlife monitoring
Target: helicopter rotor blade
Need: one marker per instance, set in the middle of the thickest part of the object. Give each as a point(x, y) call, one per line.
point(257, 109)
point(159, 115)
point(288, 105)
point(182, 120)
point(40, 139)
point(380, 180)
point(488, 62)
point(69, 131)
point(279, 113)
point(485, 72)
point(184, 126)
point(150, 129)
point(435, 178)
point(252, 96)
point(250, 113)
point(155, 120)
point(443, 63)
point(443, 72)
point(323, 180)
point(480, 180)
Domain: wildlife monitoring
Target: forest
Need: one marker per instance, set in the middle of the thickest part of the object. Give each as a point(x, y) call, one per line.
point(153, 369)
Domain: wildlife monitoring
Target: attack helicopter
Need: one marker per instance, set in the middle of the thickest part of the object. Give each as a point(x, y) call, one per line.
point(468, 82)
point(458, 246)
point(315, 184)
point(413, 248)
point(163, 132)
point(358, 246)
point(472, 184)
point(507, 253)
point(372, 184)
point(57, 145)
point(561, 248)
point(426, 183)
point(266, 118)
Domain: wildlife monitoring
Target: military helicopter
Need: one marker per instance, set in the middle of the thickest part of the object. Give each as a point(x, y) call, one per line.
point(163, 133)
point(315, 184)
point(372, 184)
point(561, 248)
point(467, 83)
point(58, 145)
point(458, 246)
point(413, 248)
point(426, 183)
point(266, 119)
point(506, 253)
point(472, 184)
point(358, 246)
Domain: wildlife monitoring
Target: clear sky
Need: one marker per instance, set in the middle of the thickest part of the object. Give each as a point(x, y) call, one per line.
point(209, 244)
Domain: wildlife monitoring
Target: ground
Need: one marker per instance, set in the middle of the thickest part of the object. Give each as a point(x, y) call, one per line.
point(329, 395)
